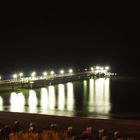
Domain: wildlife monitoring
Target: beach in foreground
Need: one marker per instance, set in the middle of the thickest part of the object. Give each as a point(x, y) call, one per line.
point(127, 127)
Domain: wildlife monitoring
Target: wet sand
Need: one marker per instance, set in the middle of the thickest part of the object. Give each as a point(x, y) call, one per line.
point(127, 127)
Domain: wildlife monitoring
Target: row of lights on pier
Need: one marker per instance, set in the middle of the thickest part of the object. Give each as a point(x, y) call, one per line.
point(33, 74)
point(70, 71)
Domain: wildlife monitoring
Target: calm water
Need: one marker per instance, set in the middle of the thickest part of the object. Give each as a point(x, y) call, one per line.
point(100, 98)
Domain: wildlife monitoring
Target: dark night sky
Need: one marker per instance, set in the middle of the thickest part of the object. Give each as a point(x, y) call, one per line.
point(41, 36)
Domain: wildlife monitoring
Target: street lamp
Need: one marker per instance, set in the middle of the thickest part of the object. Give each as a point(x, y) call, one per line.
point(0, 77)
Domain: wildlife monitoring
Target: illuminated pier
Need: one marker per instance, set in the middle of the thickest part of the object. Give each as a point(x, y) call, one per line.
point(52, 78)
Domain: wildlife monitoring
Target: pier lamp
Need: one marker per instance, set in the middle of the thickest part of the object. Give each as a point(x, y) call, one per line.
point(52, 72)
point(33, 74)
point(97, 67)
point(15, 76)
point(101, 68)
point(91, 68)
point(70, 71)
point(45, 73)
point(61, 71)
point(106, 68)
point(20, 74)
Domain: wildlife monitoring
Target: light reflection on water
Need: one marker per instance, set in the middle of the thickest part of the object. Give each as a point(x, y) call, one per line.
point(52, 98)
point(17, 102)
point(70, 97)
point(1, 103)
point(44, 98)
point(60, 99)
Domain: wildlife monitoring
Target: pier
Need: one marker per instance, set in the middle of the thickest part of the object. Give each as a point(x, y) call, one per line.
point(34, 81)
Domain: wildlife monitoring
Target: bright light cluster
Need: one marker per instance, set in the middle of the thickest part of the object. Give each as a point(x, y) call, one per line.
point(33, 75)
point(99, 69)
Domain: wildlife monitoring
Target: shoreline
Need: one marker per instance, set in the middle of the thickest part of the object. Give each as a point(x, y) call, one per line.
point(126, 126)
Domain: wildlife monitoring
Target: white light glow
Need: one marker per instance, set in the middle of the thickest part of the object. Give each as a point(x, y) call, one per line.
point(15, 76)
point(85, 91)
point(61, 71)
point(13, 101)
point(20, 74)
point(99, 91)
point(61, 97)
point(102, 95)
point(91, 92)
point(107, 68)
point(52, 100)
point(107, 92)
point(97, 67)
point(70, 70)
point(101, 68)
point(33, 74)
point(70, 96)
point(52, 72)
point(44, 98)
point(1, 101)
point(91, 68)
point(44, 73)
point(32, 99)
point(21, 100)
